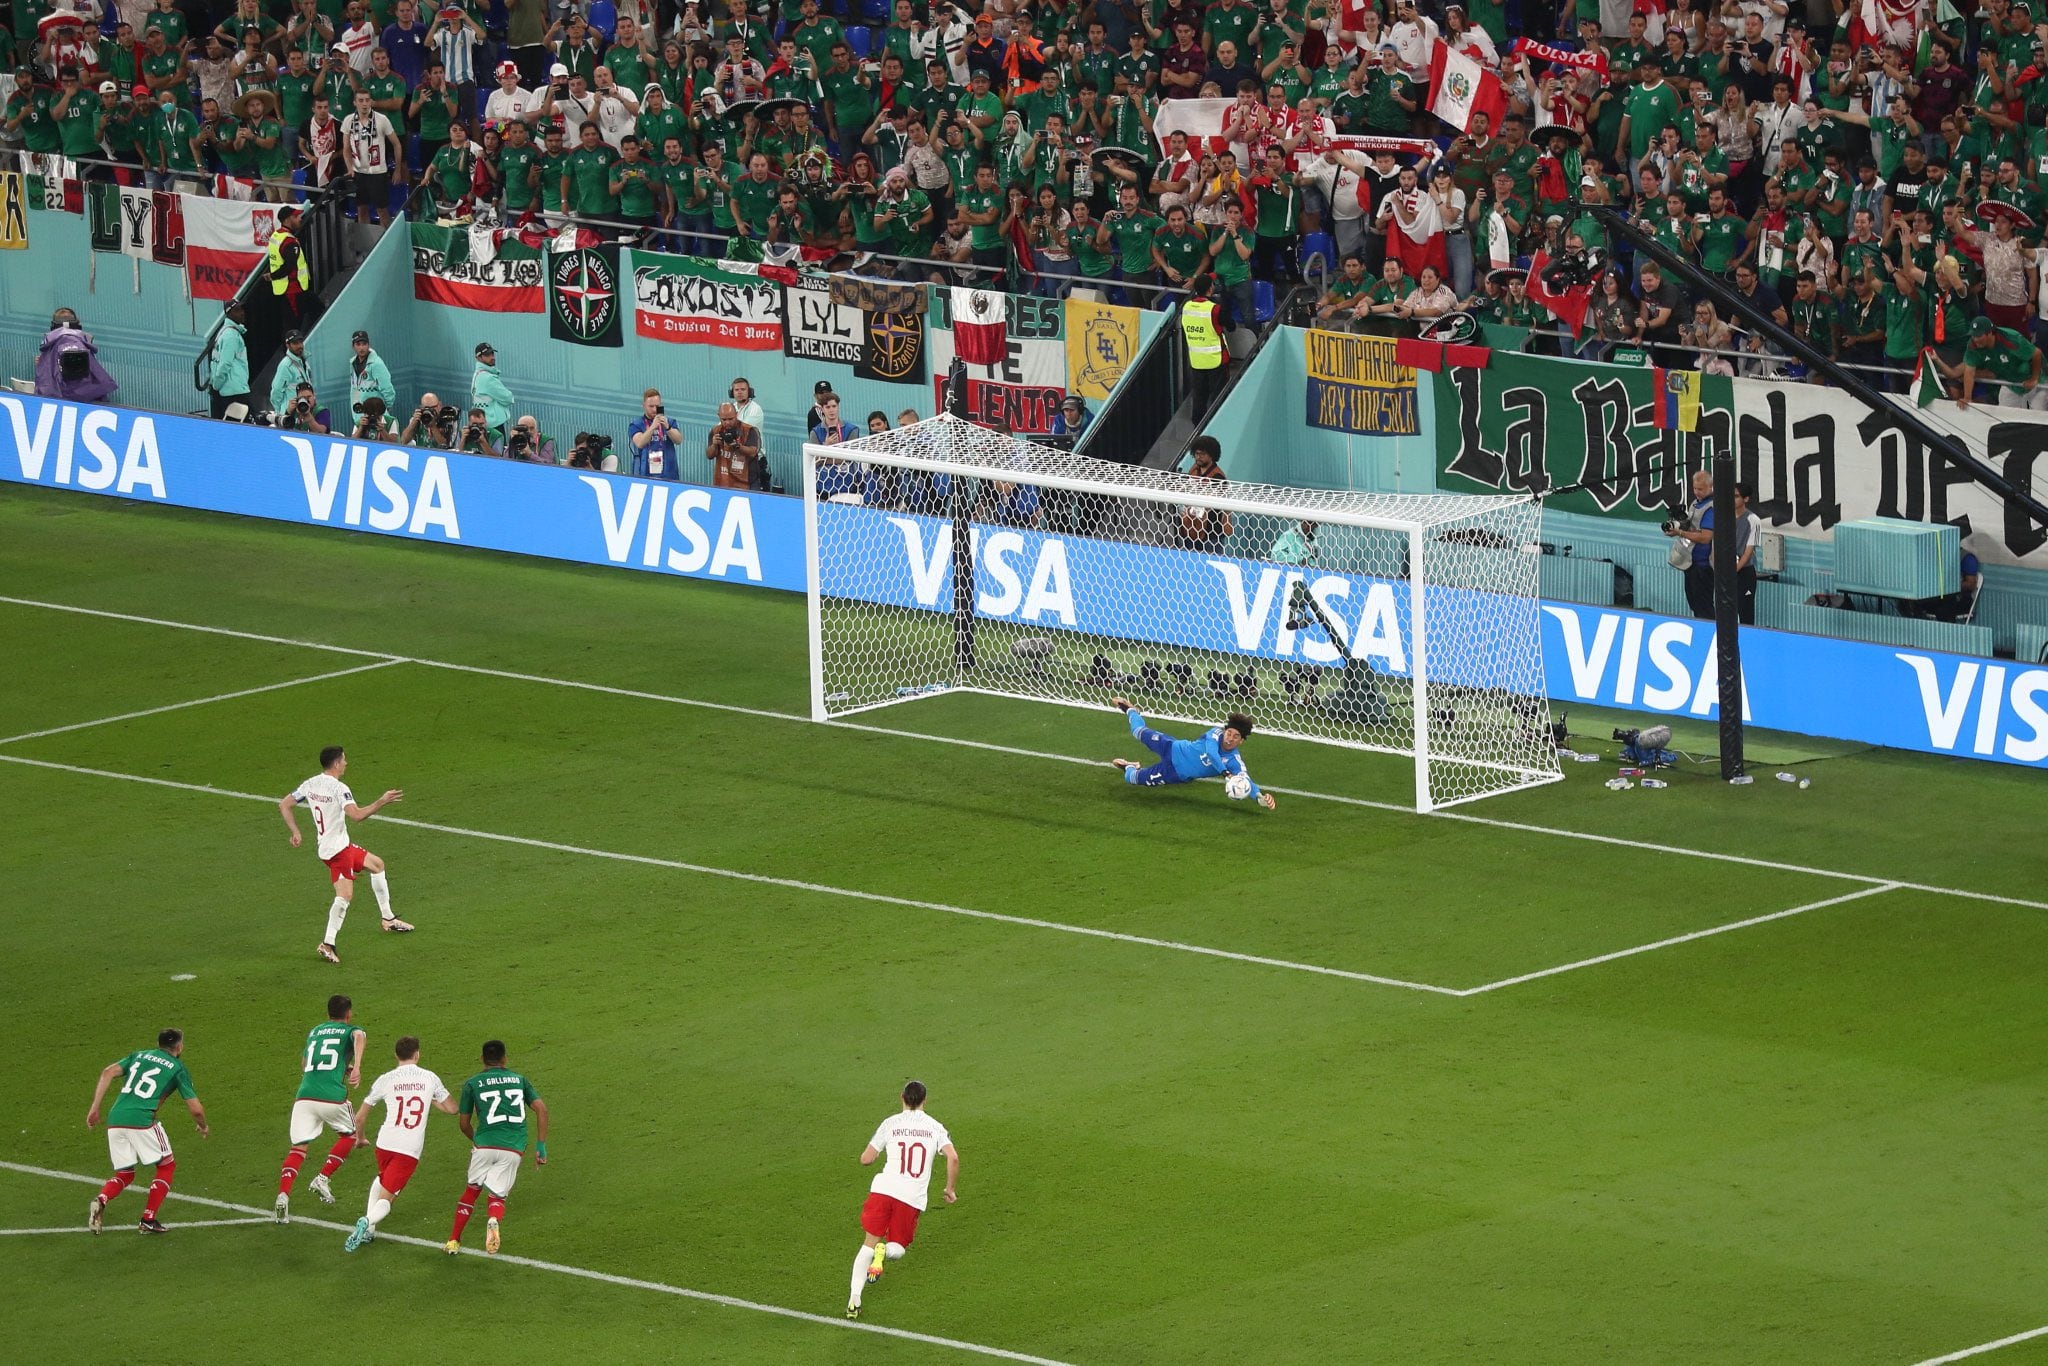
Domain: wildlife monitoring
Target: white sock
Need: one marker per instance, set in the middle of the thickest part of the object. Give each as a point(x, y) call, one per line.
point(861, 1260)
point(894, 1251)
point(381, 885)
point(335, 915)
point(378, 1209)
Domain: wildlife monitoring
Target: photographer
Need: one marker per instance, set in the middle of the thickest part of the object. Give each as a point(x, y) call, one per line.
point(593, 452)
point(432, 425)
point(367, 374)
point(1693, 545)
point(732, 447)
point(301, 415)
point(528, 442)
point(653, 439)
point(476, 436)
point(372, 422)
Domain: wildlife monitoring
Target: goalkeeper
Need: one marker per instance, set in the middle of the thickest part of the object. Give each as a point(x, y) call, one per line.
point(1215, 755)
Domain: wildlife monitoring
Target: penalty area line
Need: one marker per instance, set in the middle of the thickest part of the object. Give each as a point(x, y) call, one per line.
point(581, 1273)
point(1981, 1348)
point(1395, 808)
point(80, 1228)
point(767, 880)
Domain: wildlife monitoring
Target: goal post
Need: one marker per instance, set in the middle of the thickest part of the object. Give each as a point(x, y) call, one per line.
point(943, 557)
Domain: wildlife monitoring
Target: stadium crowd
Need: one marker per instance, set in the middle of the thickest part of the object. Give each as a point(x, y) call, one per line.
point(1868, 171)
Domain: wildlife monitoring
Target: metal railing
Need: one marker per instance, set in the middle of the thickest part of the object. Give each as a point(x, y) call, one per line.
point(322, 241)
point(1142, 403)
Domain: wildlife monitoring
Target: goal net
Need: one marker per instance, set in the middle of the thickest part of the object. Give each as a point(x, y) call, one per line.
point(944, 557)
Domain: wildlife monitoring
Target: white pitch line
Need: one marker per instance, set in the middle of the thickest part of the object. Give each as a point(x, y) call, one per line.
point(585, 1273)
point(1981, 1348)
point(1682, 939)
point(81, 1228)
point(196, 702)
point(764, 879)
point(1466, 818)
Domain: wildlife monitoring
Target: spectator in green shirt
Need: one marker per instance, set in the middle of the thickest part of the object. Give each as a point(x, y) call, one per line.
point(753, 199)
point(1130, 228)
point(75, 111)
point(1179, 251)
point(1084, 244)
point(587, 176)
point(453, 169)
point(2002, 354)
point(1230, 254)
point(979, 207)
point(518, 168)
point(637, 185)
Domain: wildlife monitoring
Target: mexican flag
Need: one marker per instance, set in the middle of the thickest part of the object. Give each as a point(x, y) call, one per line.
point(1926, 379)
point(506, 279)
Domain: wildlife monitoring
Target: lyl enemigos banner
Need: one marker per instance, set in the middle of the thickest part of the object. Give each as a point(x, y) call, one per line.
point(1815, 456)
point(1356, 385)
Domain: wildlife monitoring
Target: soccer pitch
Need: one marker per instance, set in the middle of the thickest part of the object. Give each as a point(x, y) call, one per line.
point(1693, 1075)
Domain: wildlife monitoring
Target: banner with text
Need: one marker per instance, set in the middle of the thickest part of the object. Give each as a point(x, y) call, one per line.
point(1908, 699)
point(1025, 387)
point(1815, 456)
point(684, 299)
point(1356, 385)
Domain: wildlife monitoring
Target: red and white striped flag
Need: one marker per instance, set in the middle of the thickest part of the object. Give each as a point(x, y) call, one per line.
point(224, 240)
point(1460, 87)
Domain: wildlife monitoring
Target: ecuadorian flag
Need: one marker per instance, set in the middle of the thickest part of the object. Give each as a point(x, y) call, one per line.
point(1675, 400)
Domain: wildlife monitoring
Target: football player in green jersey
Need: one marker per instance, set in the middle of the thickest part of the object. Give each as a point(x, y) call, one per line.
point(134, 1136)
point(333, 1067)
point(494, 1106)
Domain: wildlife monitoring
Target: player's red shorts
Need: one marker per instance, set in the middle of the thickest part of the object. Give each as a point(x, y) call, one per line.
point(395, 1169)
point(347, 863)
point(889, 1219)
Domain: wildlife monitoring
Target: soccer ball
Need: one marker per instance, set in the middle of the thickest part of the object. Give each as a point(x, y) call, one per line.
point(1236, 786)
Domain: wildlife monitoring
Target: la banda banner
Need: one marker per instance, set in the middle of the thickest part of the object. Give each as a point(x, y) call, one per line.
point(1631, 661)
point(1815, 456)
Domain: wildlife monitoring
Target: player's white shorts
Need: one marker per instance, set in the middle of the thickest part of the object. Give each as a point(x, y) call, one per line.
point(495, 1169)
point(309, 1117)
point(138, 1147)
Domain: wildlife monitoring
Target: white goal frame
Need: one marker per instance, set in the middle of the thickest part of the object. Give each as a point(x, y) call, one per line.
point(1055, 469)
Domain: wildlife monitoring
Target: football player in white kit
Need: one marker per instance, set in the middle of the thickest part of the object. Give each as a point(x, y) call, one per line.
point(406, 1091)
point(333, 807)
point(908, 1143)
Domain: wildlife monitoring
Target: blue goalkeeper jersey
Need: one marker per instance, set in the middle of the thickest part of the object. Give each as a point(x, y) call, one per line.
point(1203, 758)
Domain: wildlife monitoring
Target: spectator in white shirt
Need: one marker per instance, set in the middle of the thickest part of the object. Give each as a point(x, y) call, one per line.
point(741, 392)
point(615, 109)
point(358, 35)
point(509, 103)
point(372, 154)
point(1413, 37)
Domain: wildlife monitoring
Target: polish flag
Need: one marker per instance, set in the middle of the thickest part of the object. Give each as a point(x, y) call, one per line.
point(224, 240)
point(1460, 87)
point(978, 325)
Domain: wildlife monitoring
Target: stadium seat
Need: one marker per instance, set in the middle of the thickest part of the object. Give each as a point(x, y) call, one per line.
point(861, 40)
point(1262, 302)
point(1317, 246)
point(875, 11)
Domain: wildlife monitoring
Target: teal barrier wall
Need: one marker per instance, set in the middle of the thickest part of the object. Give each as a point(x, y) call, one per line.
point(1267, 440)
point(148, 331)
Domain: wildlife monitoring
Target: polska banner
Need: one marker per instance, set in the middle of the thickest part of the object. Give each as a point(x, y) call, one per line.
point(1101, 341)
point(685, 299)
point(1357, 384)
point(1024, 387)
point(1815, 456)
point(816, 326)
point(444, 271)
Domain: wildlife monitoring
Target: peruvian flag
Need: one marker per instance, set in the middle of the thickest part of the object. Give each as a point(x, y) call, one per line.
point(225, 239)
point(978, 325)
point(1460, 87)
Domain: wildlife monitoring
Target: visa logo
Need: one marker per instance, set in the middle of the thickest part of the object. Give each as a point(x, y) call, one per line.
point(1014, 581)
point(77, 448)
point(1982, 688)
point(1662, 664)
point(1260, 613)
point(378, 490)
point(663, 519)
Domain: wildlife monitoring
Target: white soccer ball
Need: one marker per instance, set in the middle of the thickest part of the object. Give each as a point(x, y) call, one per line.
point(1236, 786)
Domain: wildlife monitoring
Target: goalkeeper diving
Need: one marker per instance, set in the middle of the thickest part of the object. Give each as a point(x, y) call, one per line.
point(1215, 755)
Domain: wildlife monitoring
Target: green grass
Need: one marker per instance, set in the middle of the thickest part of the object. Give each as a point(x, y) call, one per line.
point(1817, 1139)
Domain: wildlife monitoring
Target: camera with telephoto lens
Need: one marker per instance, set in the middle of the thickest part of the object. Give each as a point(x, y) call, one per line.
point(1574, 269)
point(520, 443)
point(1680, 520)
point(589, 451)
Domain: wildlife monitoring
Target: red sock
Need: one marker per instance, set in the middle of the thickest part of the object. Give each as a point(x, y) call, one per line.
point(160, 1187)
point(338, 1154)
point(114, 1187)
point(463, 1209)
point(292, 1160)
point(495, 1209)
